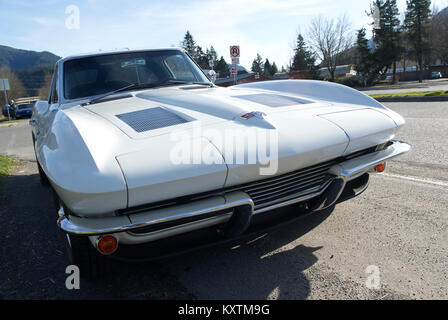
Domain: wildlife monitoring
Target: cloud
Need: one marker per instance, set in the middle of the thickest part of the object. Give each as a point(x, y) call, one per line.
point(42, 21)
point(223, 23)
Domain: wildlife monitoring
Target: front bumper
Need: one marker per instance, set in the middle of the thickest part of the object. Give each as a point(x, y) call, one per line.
point(233, 208)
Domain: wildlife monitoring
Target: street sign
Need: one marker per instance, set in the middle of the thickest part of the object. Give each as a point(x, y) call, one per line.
point(235, 55)
point(4, 84)
point(235, 51)
point(257, 76)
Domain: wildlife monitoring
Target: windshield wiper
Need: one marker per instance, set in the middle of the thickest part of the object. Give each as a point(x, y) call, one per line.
point(173, 81)
point(144, 86)
point(131, 86)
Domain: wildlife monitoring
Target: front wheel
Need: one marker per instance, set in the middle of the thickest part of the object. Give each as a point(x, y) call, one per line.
point(43, 177)
point(81, 253)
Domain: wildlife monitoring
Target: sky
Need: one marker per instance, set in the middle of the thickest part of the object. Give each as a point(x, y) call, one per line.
point(267, 27)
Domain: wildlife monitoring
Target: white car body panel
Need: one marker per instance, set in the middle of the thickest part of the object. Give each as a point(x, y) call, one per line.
point(364, 128)
point(98, 164)
point(168, 180)
point(112, 166)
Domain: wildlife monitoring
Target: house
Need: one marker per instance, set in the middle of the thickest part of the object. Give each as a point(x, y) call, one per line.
point(241, 78)
point(280, 76)
point(339, 72)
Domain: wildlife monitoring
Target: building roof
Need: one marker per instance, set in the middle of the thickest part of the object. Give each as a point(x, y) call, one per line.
point(280, 75)
point(240, 76)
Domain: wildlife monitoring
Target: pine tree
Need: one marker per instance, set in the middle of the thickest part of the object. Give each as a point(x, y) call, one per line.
point(274, 68)
point(212, 56)
point(387, 35)
point(364, 58)
point(257, 64)
point(304, 60)
point(222, 67)
point(267, 72)
point(417, 19)
point(190, 45)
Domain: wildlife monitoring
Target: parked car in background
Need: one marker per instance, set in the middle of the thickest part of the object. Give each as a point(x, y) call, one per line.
point(436, 75)
point(113, 142)
point(12, 111)
point(24, 110)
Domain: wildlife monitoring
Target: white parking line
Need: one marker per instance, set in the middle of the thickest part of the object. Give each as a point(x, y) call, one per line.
point(435, 182)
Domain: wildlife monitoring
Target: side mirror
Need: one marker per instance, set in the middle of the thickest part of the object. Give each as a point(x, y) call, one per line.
point(212, 75)
point(40, 106)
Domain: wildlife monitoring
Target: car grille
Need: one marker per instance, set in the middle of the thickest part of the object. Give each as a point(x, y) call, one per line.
point(270, 191)
point(288, 186)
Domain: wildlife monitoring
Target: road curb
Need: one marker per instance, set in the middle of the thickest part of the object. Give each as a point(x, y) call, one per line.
point(412, 99)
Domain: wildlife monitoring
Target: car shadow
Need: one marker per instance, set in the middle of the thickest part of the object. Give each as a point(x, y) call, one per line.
point(266, 265)
point(269, 265)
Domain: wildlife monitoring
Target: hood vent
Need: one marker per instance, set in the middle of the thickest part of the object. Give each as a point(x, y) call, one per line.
point(151, 119)
point(273, 100)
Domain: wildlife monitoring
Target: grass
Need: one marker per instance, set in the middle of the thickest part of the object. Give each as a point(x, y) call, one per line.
point(412, 94)
point(5, 120)
point(6, 165)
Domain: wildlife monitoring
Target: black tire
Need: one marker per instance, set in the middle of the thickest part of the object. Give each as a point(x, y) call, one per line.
point(81, 252)
point(43, 177)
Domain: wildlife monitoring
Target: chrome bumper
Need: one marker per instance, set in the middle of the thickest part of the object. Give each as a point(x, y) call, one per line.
point(223, 208)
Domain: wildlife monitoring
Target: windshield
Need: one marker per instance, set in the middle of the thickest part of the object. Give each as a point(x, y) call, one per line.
point(100, 74)
point(24, 106)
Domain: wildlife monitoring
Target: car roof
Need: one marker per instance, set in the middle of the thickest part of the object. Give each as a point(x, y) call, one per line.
point(117, 51)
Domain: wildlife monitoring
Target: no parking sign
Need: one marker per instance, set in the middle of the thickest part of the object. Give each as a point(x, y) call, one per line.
point(234, 51)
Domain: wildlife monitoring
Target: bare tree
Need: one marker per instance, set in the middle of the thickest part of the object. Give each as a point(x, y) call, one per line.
point(17, 90)
point(329, 39)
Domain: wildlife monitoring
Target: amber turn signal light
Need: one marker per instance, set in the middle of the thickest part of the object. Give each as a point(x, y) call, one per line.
point(381, 167)
point(107, 244)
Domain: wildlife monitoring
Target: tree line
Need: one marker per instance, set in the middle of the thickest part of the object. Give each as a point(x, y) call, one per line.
point(420, 35)
point(203, 58)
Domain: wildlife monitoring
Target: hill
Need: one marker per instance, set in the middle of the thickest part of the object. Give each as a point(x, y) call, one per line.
point(18, 59)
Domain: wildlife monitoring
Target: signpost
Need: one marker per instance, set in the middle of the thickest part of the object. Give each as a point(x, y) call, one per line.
point(4, 85)
point(235, 56)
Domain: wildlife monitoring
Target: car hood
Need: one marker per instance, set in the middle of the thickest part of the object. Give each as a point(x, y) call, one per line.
point(143, 131)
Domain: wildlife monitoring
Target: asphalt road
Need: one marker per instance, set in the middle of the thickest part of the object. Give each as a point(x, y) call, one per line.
point(398, 226)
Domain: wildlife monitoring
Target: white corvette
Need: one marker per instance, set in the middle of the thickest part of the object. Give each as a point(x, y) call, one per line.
point(140, 147)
